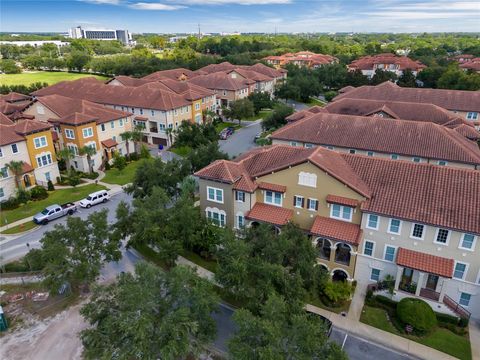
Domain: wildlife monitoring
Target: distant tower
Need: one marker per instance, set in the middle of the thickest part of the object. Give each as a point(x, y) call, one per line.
point(199, 33)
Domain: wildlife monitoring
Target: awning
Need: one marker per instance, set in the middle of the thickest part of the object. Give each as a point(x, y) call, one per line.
point(336, 230)
point(141, 118)
point(109, 143)
point(272, 187)
point(334, 199)
point(269, 214)
point(425, 262)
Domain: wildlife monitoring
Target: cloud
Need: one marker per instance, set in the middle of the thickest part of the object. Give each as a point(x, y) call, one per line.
point(155, 6)
point(232, 2)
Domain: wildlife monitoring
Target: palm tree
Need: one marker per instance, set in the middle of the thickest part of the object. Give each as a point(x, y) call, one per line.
point(89, 151)
point(169, 132)
point(65, 154)
point(126, 136)
point(137, 136)
point(16, 167)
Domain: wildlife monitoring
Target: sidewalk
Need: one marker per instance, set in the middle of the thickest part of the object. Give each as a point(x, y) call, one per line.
point(474, 328)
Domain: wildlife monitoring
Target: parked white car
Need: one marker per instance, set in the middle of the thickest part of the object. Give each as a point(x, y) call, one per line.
point(95, 198)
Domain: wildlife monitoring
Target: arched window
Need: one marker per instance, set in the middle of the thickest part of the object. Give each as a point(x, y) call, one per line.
point(342, 253)
point(323, 248)
point(218, 217)
point(307, 179)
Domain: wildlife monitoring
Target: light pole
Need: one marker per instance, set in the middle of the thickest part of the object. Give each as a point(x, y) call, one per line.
point(26, 258)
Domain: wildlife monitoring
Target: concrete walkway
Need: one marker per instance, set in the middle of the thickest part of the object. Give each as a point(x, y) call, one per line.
point(21, 279)
point(474, 329)
point(356, 306)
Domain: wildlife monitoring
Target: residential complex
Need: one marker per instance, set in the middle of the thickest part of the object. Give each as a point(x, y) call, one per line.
point(387, 62)
point(302, 59)
point(366, 216)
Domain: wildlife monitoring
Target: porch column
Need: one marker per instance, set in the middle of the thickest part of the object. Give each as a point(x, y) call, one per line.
point(421, 277)
point(443, 290)
point(332, 253)
point(398, 278)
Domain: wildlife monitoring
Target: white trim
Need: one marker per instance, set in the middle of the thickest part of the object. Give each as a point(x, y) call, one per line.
point(368, 219)
point(273, 198)
point(39, 138)
point(477, 282)
point(469, 300)
point(447, 240)
point(467, 265)
point(237, 215)
point(373, 248)
point(371, 272)
point(219, 212)
point(399, 227)
point(473, 243)
point(445, 163)
point(341, 212)
point(70, 130)
point(341, 269)
point(87, 129)
point(423, 232)
point(307, 179)
point(214, 194)
point(385, 252)
point(309, 202)
point(302, 200)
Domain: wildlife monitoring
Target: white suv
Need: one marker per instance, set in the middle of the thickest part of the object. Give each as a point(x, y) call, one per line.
point(95, 198)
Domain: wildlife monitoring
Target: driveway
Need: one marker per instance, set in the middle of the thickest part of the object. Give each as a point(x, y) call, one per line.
point(242, 139)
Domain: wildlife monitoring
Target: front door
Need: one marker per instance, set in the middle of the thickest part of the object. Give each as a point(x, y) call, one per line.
point(432, 281)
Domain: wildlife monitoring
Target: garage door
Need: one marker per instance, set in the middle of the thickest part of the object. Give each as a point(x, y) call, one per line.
point(159, 141)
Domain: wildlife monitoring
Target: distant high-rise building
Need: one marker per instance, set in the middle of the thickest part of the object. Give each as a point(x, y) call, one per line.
point(123, 36)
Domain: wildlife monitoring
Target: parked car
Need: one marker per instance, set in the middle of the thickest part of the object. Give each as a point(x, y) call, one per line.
point(328, 323)
point(224, 134)
point(230, 130)
point(53, 212)
point(95, 198)
point(258, 136)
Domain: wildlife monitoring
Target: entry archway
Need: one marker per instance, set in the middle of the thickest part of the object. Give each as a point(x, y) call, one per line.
point(339, 275)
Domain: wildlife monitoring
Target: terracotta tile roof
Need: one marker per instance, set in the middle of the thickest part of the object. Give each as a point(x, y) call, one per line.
point(425, 262)
point(8, 135)
point(13, 132)
point(14, 97)
point(141, 118)
point(474, 65)
point(368, 62)
point(188, 90)
point(174, 74)
point(423, 139)
point(25, 127)
point(26, 167)
point(334, 199)
point(245, 184)
point(8, 108)
point(74, 119)
point(460, 100)
point(109, 143)
point(468, 131)
point(220, 81)
point(336, 230)
point(128, 80)
point(305, 113)
point(307, 57)
point(436, 195)
point(269, 214)
point(4, 120)
point(272, 187)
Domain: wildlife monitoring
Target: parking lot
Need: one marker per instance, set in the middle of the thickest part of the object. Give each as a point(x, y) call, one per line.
point(242, 139)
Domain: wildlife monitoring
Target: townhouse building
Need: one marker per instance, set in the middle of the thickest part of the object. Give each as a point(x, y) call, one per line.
point(387, 62)
point(461, 103)
point(30, 142)
point(418, 142)
point(301, 58)
point(366, 216)
point(79, 123)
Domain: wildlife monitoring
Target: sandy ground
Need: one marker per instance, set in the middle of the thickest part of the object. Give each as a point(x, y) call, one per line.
point(53, 339)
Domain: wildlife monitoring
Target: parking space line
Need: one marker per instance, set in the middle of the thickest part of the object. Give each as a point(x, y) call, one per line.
point(344, 341)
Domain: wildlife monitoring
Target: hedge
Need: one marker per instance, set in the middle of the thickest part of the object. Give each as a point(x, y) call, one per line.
point(417, 313)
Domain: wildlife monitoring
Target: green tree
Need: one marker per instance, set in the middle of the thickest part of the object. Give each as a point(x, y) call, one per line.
point(119, 162)
point(261, 100)
point(407, 79)
point(77, 60)
point(150, 315)
point(76, 251)
point(16, 167)
point(281, 331)
point(88, 151)
point(240, 109)
point(127, 137)
point(8, 66)
point(277, 118)
point(203, 155)
point(356, 78)
point(381, 76)
point(64, 156)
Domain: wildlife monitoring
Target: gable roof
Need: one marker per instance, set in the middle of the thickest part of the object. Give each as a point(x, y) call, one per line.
point(14, 97)
point(425, 262)
point(368, 62)
point(221, 81)
point(460, 100)
point(13, 132)
point(427, 140)
point(174, 74)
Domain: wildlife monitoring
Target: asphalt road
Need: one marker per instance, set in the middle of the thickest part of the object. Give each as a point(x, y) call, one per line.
point(15, 247)
point(242, 139)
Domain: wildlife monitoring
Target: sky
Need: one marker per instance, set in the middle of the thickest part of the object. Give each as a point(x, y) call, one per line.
point(183, 16)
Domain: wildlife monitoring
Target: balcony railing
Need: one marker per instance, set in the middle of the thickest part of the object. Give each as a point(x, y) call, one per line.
point(456, 307)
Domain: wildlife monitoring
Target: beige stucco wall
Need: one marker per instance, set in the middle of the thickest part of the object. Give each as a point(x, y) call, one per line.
point(228, 199)
point(41, 112)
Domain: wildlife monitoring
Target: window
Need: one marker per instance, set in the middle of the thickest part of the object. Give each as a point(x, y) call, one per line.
point(2, 193)
point(368, 248)
point(152, 112)
point(467, 242)
point(40, 142)
point(442, 163)
point(69, 134)
point(298, 201)
point(216, 216)
point(73, 148)
point(352, 151)
point(274, 198)
point(341, 212)
point(102, 127)
point(372, 221)
point(112, 124)
point(375, 275)
point(442, 236)
point(464, 299)
point(1, 153)
point(87, 132)
point(293, 143)
point(48, 176)
point(460, 270)
point(170, 126)
point(120, 122)
point(240, 221)
point(215, 194)
point(4, 172)
point(240, 196)
point(394, 157)
point(14, 148)
point(394, 226)
point(141, 111)
point(312, 204)
point(307, 179)
point(330, 147)
point(472, 116)
point(418, 231)
point(308, 146)
point(197, 106)
point(44, 160)
point(389, 253)
point(175, 111)
point(416, 159)
point(133, 110)
point(370, 153)
point(161, 127)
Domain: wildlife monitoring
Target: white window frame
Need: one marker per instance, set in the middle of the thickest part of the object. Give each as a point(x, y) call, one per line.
point(308, 145)
point(469, 299)
point(273, 198)
point(220, 213)
point(293, 143)
point(214, 194)
point(120, 122)
point(448, 237)
point(371, 273)
point(423, 232)
point(385, 252)
point(472, 115)
point(417, 158)
point(473, 243)
point(352, 151)
point(197, 106)
point(307, 179)
point(39, 138)
point(302, 200)
point(370, 153)
point(237, 192)
point(368, 222)
point(342, 207)
point(309, 203)
point(237, 220)
point(373, 248)
point(399, 227)
point(1, 152)
point(394, 157)
point(87, 130)
point(464, 272)
point(478, 277)
point(102, 127)
point(16, 147)
point(40, 163)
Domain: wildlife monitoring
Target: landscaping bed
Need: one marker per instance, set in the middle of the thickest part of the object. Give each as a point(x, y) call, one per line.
point(448, 336)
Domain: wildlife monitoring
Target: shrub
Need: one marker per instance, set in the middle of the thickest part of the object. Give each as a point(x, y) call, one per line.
point(444, 319)
point(107, 166)
point(119, 162)
point(10, 204)
point(463, 322)
point(38, 193)
point(386, 302)
point(337, 292)
point(369, 295)
point(329, 95)
point(73, 180)
point(50, 186)
point(144, 152)
point(133, 156)
point(417, 313)
point(23, 196)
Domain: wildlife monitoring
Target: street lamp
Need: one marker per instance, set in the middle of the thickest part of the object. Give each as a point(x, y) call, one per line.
point(26, 258)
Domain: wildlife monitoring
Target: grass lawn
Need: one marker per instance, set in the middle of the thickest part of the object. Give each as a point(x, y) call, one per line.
point(313, 300)
point(42, 76)
point(54, 197)
point(220, 126)
point(441, 339)
point(115, 176)
point(181, 151)
point(20, 228)
point(210, 265)
point(261, 115)
point(315, 101)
